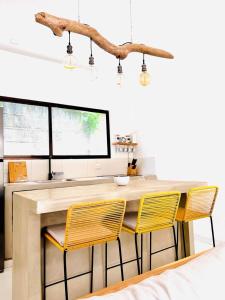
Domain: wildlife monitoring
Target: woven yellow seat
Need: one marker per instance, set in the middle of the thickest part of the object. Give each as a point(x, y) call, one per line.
point(105, 217)
point(156, 211)
point(87, 224)
point(199, 204)
point(130, 223)
point(194, 214)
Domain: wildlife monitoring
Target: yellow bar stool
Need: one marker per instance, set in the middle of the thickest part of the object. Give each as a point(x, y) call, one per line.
point(87, 224)
point(199, 204)
point(156, 211)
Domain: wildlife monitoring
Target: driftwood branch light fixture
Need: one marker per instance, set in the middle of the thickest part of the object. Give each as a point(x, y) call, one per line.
point(59, 25)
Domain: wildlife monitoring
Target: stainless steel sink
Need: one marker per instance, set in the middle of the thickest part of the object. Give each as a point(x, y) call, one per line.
point(45, 181)
point(68, 180)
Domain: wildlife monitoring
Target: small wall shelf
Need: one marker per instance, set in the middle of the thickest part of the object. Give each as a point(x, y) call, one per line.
point(125, 147)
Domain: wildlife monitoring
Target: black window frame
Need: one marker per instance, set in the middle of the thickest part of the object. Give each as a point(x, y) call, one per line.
point(51, 105)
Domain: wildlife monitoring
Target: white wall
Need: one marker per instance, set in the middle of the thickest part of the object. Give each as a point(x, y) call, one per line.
point(186, 109)
point(179, 118)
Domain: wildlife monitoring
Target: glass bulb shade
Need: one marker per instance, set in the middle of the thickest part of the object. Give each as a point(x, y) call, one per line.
point(144, 78)
point(119, 79)
point(69, 62)
point(93, 72)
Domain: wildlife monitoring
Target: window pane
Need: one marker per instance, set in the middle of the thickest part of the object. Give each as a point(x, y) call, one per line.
point(25, 129)
point(77, 132)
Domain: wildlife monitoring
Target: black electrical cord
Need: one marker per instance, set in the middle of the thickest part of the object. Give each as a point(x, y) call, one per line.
point(91, 47)
point(69, 46)
point(125, 43)
point(69, 37)
point(143, 58)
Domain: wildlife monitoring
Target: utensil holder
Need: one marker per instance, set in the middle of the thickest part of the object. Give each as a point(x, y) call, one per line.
point(131, 172)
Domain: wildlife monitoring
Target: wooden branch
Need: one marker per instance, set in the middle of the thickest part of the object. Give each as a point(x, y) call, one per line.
point(59, 25)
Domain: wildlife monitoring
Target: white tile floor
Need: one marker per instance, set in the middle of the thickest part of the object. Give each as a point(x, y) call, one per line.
point(6, 284)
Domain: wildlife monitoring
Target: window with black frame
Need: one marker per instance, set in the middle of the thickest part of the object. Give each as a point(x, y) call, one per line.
point(26, 130)
point(79, 133)
point(34, 129)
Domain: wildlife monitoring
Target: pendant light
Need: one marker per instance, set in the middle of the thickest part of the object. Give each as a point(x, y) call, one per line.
point(119, 51)
point(120, 76)
point(92, 67)
point(144, 76)
point(69, 60)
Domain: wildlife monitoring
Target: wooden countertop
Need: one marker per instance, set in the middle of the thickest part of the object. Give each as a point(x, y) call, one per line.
point(58, 199)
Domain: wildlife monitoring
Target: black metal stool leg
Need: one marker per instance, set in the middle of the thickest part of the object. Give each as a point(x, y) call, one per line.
point(150, 250)
point(65, 275)
point(92, 268)
point(121, 259)
point(44, 275)
point(178, 224)
point(137, 255)
point(141, 253)
point(106, 264)
point(212, 229)
point(184, 244)
point(175, 242)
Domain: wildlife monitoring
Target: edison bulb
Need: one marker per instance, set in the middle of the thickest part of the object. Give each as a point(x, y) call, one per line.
point(119, 79)
point(92, 68)
point(93, 73)
point(144, 78)
point(69, 62)
point(119, 76)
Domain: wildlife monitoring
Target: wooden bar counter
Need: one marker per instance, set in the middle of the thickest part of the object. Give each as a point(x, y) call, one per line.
point(32, 210)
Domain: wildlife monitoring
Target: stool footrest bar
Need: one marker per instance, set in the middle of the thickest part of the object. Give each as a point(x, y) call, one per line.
point(124, 263)
point(163, 249)
point(69, 278)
